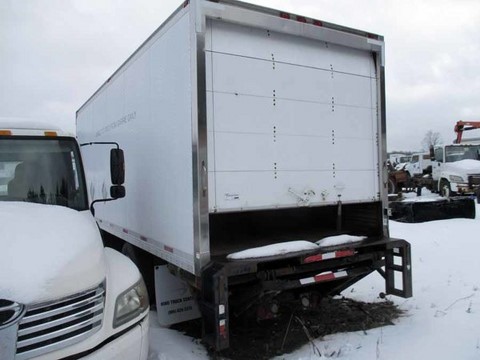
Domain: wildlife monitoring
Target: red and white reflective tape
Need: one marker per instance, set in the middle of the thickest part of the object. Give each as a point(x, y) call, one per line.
point(329, 255)
point(325, 276)
point(222, 328)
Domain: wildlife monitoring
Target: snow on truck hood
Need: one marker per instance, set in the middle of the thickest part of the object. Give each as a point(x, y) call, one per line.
point(47, 252)
point(467, 166)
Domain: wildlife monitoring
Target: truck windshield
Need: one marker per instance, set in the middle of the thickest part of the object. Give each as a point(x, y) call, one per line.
point(42, 170)
point(457, 153)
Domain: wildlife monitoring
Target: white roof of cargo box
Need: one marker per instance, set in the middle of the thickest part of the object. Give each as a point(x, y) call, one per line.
point(373, 40)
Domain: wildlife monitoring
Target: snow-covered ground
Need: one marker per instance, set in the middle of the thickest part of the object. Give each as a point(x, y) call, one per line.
point(441, 321)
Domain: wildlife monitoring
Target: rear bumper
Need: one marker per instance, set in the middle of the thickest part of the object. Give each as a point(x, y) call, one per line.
point(132, 345)
point(244, 283)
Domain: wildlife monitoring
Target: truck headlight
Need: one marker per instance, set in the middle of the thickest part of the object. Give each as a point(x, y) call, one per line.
point(456, 179)
point(130, 304)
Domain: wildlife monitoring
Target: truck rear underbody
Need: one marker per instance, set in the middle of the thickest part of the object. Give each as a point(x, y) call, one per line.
point(232, 232)
point(231, 287)
point(235, 286)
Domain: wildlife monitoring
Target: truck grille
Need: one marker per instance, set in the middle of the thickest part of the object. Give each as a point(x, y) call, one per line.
point(53, 326)
point(474, 179)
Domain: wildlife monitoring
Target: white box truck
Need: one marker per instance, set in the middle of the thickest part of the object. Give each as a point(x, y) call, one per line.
point(62, 294)
point(250, 135)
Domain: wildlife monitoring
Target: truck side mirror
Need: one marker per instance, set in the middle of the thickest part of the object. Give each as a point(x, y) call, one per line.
point(117, 191)
point(117, 167)
point(432, 153)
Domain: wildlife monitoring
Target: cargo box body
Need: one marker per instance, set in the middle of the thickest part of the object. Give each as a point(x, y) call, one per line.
point(242, 126)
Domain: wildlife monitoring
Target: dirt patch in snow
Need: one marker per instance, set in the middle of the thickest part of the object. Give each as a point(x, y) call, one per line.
point(295, 327)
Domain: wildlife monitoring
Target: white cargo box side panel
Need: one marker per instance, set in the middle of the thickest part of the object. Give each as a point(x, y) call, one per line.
point(146, 108)
point(291, 121)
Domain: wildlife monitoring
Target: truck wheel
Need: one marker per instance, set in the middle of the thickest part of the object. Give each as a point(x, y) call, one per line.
point(445, 189)
point(392, 188)
point(409, 184)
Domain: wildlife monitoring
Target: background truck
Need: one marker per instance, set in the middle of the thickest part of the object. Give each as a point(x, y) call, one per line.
point(402, 162)
point(456, 169)
point(250, 134)
point(62, 294)
point(462, 126)
point(407, 177)
point(420, 164)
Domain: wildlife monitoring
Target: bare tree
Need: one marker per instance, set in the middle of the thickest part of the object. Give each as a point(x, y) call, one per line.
point(431, 138)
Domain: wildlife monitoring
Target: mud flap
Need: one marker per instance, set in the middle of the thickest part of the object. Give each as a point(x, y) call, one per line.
point(214, 307)
point(415, 212)
point(175, 302)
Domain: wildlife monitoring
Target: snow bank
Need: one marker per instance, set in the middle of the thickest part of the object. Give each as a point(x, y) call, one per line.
point(274, 249)
point(340, 240)
point(427, 196)
point(47, 251)
point(432, 199)
point(166, 344)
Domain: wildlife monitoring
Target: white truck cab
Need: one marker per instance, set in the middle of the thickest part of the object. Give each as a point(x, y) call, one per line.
point(62, 293)
point(419, 164)
point(402, 162)
point(456, 169)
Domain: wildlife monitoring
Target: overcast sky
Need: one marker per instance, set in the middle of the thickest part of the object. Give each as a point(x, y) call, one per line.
point(55, 53)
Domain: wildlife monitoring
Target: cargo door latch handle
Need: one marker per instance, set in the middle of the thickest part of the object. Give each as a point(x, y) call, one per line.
point(303, 199)
point(204, 179)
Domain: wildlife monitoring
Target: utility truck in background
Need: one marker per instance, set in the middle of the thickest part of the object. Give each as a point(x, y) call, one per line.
point(456, 167)
point(62, 294)
point(462, 126)
point(452, 170)
point(255, 163)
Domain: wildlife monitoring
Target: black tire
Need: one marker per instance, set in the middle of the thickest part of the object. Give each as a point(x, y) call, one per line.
point(446, 189)
point(392, 187)
point(409, 184)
